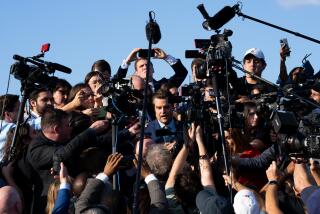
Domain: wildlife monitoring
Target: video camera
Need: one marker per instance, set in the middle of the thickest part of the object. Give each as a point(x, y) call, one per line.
point(216, 52)
point(294, 138)
point(122, 99)
point(35, 71)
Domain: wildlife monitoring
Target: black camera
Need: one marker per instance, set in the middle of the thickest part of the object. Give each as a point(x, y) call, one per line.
point(122, 99)
point(293, 138)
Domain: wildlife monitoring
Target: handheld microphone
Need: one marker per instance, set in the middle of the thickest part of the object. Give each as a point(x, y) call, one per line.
point(153, 30)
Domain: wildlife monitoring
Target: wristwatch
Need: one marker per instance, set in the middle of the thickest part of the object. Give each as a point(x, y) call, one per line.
point(273, 182)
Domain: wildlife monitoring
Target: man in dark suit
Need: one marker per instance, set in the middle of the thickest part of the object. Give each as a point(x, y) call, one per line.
point(164, 129)
point(141, 68)
point(55, 139)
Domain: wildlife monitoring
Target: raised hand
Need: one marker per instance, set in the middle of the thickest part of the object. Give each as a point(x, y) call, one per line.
point(112, 164)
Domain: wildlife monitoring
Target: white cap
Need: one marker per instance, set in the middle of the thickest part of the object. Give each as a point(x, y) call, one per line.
point(245, 202)
point(255, 52)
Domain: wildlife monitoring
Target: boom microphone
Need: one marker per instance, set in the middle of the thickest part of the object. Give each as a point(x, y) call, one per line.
point(220, 19)
point(153, 30)
point(59, 67)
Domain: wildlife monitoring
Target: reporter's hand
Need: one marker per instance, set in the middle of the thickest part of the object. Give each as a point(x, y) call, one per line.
point(192, 132)
point(63, 174)
point(300, 177)
point(91, 112)
point(272, 172)
point(159, 53)
point(199, 134)
point(100, 126)
point(112, 164)
point(134, 129)
point(133, 55)
point(145, 169)
point(170, 145)
point(78, 99)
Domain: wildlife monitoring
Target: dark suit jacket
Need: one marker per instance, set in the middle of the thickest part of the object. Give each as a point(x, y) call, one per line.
point(40, 156)
point(90, 197)
point(154, 125)
point(159, 203)
point(180, 73)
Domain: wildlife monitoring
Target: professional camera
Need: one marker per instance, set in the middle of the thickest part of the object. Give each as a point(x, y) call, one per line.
point(122, 99)
point(294, 138)
point(216, 52)
point(194, 107)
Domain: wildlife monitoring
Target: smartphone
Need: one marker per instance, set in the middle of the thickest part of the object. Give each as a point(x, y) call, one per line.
point(144, 53)
point(284, 44)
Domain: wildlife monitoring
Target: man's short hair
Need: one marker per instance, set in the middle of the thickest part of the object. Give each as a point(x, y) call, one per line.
point(53, 117)
point(139, 59)
point(159, 160)
point(35, 93)
point(7, 103)
point(101, 66)
point(160, 94)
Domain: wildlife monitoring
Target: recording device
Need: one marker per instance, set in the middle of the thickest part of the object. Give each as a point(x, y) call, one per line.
point(153, 30)
point(122, 99)
point(38, 72)
point(144, 53)
point(219, 19)
point(294, 139)
point(284, 44)
point(218, 56)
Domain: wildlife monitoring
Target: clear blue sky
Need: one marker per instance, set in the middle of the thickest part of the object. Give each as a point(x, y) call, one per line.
point(81, 32)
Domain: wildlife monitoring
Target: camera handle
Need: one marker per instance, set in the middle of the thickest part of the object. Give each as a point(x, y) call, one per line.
point(236, 64)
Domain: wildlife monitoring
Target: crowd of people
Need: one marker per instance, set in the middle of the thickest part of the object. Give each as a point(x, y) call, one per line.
point(64, 158)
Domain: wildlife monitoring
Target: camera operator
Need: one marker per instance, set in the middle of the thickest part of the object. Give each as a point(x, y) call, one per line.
point(40, 100)
point(253, 62)
point(103, 68)
point(9, 107)
point(141, 68)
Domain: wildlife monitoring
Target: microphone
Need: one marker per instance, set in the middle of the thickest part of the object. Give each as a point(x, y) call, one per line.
point(220, 19)
point(153, 30)
point(42, 64)
point(59, 67)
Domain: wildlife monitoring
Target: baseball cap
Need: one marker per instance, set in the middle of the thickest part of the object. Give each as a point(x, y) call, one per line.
point(208, 201)
point(245, 202)
point(255, 52)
